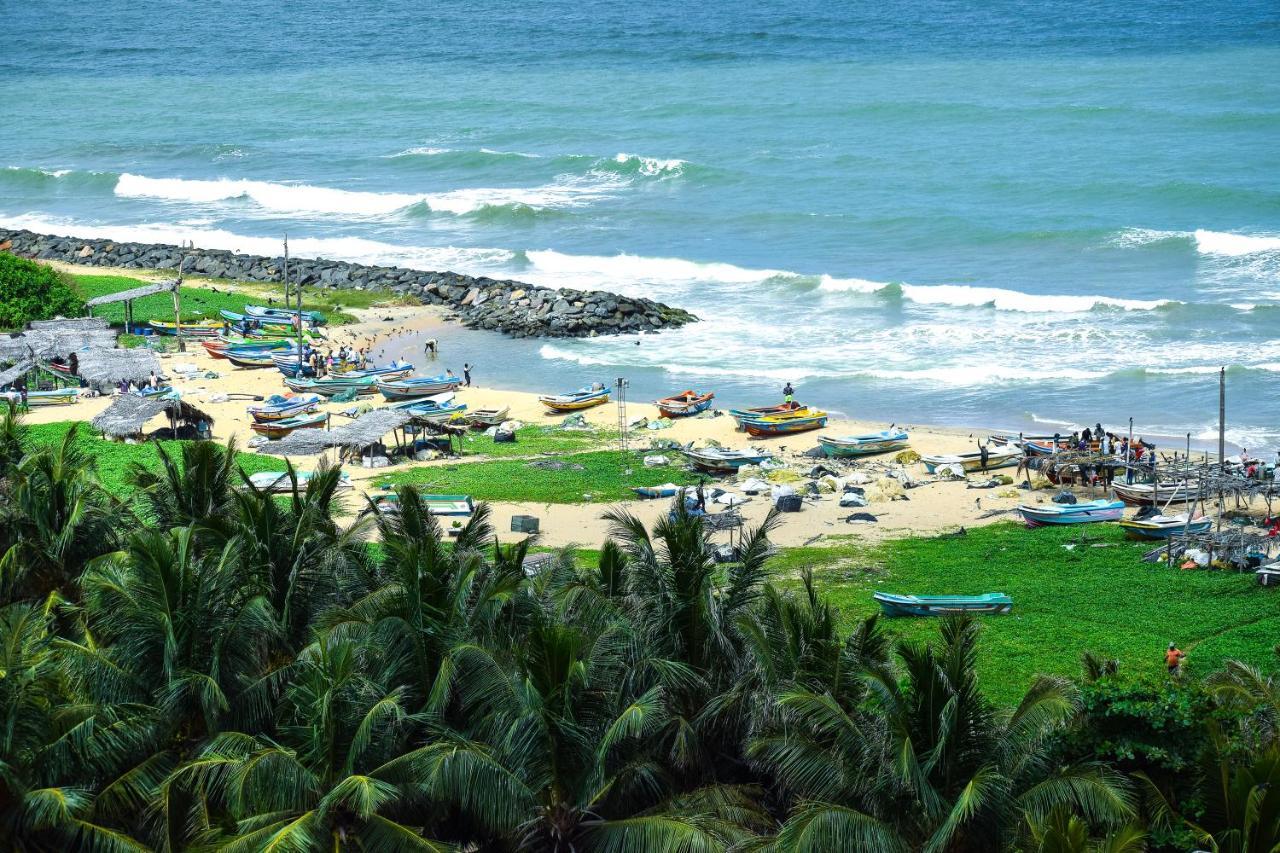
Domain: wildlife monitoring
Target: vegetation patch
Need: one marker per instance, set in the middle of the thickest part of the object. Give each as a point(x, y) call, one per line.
point(34, 291)
point(1069, 596)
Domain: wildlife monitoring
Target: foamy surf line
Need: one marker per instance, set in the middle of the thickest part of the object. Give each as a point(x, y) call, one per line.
point(1206, 242)
point(304, 199)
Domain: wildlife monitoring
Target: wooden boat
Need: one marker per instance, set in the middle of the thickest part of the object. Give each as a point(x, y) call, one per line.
point(785, 424)
point(442, 505)
point(236, 317)
point(719, 460)
point(218, 347)
point(331, 386)
point(382, 373)
point(739, 415)
point(666, 490)
point(414, 387)
point(684, 404)
point(284, 426)
point(277, 482)
point(279, 408)
point(942, 605)
point(1040, 515)
point(263, 312)
point(250, 358)
point(973, 461)
point(1164, 526)
point(1144, 494)
point(583, 398)
point(864, 445)
point(436, 410)
point(485, 418)
point(196, 329)
point(56, 397)
point(286, 361)
point(1009, 437)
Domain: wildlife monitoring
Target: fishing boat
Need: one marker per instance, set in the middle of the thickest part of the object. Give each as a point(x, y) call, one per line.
point(194, 329)
point(718, 460)
point(666, 490)
point(278, 407)
point(1082, 513)
point(684, 404)
point(236, 317)
point(254, 358)
point(332, 385)
point(56, 397)
point(1010, 437)
point(583, 398)
point(485, 418)
point(218, 347)
point(442, 505)
point(973, 461)
point(262, 312)
point(942, 605)
point(436, 409)
point(1164, 526)
point(864, 445)
point(287, 362)
point(785, 424)
point(277, 482)
point(382, 373)
point(414, 387)
point(1144, 494)
point(739, 415)
point(284, 426)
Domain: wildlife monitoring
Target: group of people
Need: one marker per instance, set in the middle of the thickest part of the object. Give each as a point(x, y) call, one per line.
point(322, 364)
point(128, 386)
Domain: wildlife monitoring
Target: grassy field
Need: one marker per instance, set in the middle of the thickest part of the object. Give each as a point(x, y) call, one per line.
point(113, 458)
point(202, 301)
point(605, 476)
point(533, 439)
point(1096, 595)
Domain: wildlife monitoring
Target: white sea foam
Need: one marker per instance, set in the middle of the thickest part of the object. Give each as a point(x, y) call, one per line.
point(306, 199)
point(1130, 238)
point(1234, 245)
point(51, 173)
point(652, 166)
point(602, 269)
point(966, 296)
point(419, 151)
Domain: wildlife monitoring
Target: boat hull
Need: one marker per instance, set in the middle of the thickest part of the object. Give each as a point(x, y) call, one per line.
point(281, 428)
point(1142, 494)
point(574, 403)
point(863, 445)
point(740, 415)
point(684, 405)
point(726, 463)
point(1149, 530)
point(784, 426)
point(942, 605)
point(1089, 513)
point(972, 461)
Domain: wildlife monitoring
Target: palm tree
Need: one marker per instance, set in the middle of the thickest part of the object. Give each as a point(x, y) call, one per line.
point(930, 764)
point(1063, 832)
point(56, 517)
point(196, 489)
point(339, 774)
point(49, 756)
point(1255, 693)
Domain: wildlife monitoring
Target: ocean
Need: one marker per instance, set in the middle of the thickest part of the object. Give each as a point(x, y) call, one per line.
point(1024, 215)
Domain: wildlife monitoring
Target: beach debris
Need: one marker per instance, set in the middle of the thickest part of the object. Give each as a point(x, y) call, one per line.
point(782, 475)
point(827, 484)
point(789, 503)
point(885, 489)
point(1064, 497)
point(656, 461)
point(664, 444)
point(781, 491)
point(906, 457)
point(860, 478)
point(219, 398)
point(950, 471)
point(661, 423)
point(753, 486)
point(852, 499)
point(1008, 493)
point(575, 422)
point(555, 465)
point(729, 499)
point(985, 484)
point(860, 518)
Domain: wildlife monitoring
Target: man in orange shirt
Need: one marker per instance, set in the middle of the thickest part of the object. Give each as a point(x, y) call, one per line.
point(1173, 659)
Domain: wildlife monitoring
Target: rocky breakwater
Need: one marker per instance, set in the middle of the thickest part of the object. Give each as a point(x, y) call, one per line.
point(511, 307)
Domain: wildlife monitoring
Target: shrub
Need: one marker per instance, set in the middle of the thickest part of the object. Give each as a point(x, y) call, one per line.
point(31, 291)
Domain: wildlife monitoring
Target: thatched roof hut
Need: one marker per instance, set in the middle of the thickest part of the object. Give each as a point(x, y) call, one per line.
point(365, 431)
point(134, 293)
point(129, 413)
point(103, 368)
point(49, 338)
point(16, 372)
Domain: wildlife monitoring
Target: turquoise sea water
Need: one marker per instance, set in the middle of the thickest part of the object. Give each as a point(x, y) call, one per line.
point(997, 213)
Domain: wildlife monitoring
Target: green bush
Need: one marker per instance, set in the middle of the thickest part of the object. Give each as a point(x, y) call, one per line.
point(31, 291)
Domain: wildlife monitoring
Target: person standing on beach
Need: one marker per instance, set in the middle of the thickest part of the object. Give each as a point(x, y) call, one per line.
point(983, 455)
point(788, 393)
point(466, 374)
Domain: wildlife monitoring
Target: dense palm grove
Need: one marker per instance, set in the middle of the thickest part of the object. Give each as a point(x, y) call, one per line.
point(205, 666)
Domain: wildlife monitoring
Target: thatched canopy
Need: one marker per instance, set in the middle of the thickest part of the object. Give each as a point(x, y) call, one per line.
point(49, 338)
point(134, 293)
point(364, 431)
point(17, 371)
point(103, 368)
point(129, 413)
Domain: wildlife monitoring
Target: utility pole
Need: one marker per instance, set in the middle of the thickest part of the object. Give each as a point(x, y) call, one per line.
point(1222, 418)
point(298, 319)
point(621, 399)
point(177, 306)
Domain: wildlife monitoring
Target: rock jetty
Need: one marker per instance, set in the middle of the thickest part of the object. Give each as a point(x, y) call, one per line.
point(511, 307)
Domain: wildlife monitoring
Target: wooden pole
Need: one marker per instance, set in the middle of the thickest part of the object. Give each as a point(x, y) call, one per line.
point(177, 306)
point(1222, 418)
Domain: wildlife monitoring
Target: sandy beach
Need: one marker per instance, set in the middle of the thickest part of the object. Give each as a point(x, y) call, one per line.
point(933, 506)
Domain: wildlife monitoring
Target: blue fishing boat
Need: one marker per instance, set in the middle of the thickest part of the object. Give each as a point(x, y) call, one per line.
point(414, 387)
point(785, 424)
point(281, 428)
point(381, 373)
point(666, 490)
point(278, 407)
point(942, 605)
point(740, 415)
point(1081, 513)
point(436, 409)
point(583, 398)
point(261, 312)
point(249, 357)
point(864, 445)
point(719, 460)
point(442, 505)
point(1164, 526)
